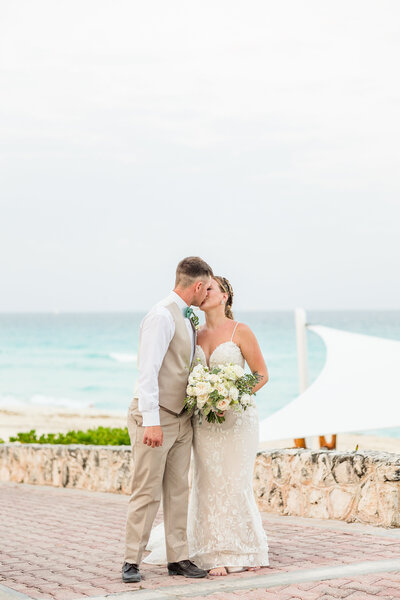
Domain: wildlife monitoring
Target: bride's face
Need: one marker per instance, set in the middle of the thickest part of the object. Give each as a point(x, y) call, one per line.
point(214, 297)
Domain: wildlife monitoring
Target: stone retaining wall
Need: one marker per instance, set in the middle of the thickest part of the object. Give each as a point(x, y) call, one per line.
point(95, 468)
point(362, 486)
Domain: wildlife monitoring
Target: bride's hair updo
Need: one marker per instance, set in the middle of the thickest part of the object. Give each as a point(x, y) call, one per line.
point(226, 288)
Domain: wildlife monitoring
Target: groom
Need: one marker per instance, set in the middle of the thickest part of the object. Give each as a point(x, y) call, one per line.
point(159, 427)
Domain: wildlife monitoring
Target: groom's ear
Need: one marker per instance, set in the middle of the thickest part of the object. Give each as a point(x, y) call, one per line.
point(197, 286)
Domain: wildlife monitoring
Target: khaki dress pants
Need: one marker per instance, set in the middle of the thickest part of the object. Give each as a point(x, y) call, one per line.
point(155, 470)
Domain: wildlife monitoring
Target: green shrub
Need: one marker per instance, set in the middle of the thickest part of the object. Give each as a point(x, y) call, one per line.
point(101, 436)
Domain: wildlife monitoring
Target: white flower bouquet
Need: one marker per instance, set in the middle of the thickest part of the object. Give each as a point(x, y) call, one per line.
point(211, 392)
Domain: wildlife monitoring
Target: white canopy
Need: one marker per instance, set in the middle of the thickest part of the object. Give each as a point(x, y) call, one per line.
point(358, 389)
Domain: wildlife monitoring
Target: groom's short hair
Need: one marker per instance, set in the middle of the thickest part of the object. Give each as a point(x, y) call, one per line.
point(190, 269)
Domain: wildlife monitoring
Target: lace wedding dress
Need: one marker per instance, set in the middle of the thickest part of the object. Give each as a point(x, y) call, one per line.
point(224, 523)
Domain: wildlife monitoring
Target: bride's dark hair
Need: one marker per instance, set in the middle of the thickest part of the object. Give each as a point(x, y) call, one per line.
point(226, 288)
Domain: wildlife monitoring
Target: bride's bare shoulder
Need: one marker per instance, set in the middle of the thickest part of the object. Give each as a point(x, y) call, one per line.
point(242, 327)
point(244, 332)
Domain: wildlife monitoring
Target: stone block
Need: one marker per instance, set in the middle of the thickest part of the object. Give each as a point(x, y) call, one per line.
point(389, 504)
point(322, 472)
point(316, 504)
point(388, 472)
point(367, 505)
point(279, 470)
point(343, 470)
point(360, 465)
point(294, 502)
point(275, 501)
point(340, 503)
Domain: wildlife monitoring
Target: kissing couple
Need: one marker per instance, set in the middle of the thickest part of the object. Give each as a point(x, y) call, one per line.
point(220, 530)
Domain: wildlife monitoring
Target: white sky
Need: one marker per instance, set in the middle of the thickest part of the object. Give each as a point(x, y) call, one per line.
point(261, 135)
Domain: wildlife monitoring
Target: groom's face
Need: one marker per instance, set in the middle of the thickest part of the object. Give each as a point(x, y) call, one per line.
point(201, 291)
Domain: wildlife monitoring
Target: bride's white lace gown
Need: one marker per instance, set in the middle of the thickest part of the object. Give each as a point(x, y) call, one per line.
point(224, 523)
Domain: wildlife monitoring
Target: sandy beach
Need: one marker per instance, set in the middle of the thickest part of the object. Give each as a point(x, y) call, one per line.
point(53, 420)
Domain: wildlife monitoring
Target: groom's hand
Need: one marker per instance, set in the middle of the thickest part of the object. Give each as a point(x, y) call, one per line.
point(153, 436)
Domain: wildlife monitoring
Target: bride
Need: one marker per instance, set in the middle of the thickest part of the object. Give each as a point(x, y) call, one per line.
point(225, 532)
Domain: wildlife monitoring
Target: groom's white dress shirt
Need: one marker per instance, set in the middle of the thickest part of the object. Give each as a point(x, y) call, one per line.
point(156, 332)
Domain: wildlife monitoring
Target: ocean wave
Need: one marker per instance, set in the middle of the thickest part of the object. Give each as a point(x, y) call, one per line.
point(9, 402)
point(42, 400)
point(124, 358)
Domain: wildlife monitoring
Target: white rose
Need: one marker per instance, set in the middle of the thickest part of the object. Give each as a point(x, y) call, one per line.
point(238, 370)
point(190, 390)
point(194, 380)
point(215, 378)
point(221, 389)
point(229, 373)
point(201, 401)
point(223, 405)
point(198, 371)
point(246, 400)
point(233, 393)
point(203, 388)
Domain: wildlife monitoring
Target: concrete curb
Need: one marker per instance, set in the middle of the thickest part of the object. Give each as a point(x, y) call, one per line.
point(206, 588)
point(7, 593)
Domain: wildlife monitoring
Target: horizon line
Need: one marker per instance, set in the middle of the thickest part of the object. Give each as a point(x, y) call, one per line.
point(57, 312)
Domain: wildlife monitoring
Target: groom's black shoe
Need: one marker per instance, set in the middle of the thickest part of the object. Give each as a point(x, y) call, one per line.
point(130, 573)
point(186, 568)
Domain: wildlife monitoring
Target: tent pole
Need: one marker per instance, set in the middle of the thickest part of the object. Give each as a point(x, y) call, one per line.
point(301, 338)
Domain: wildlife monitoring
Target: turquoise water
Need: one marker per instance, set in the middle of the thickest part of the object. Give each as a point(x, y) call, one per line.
point(89, 360)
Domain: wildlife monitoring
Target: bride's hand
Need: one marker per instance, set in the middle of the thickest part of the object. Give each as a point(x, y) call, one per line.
point(220, 414)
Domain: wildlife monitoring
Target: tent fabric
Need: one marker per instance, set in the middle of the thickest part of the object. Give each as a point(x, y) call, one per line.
point(358, 389)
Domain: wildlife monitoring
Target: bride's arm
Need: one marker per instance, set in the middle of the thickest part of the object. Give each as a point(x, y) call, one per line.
point(252, 354)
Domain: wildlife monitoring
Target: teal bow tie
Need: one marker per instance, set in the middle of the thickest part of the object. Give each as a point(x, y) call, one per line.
point(188, 312)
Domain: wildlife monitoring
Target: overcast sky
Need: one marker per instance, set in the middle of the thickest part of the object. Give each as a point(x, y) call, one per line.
point(260, 135)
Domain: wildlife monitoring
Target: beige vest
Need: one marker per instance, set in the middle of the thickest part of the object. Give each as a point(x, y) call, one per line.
point(174, 372)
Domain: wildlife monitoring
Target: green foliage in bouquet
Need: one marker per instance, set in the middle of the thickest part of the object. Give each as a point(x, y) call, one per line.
point(247, 383)
point(101, 436)
point(211, 416)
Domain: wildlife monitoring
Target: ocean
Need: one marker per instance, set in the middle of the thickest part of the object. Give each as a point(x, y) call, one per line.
point(76, 361)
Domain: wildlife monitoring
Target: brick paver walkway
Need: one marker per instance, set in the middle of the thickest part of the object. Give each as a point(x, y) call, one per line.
point(65, 544)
